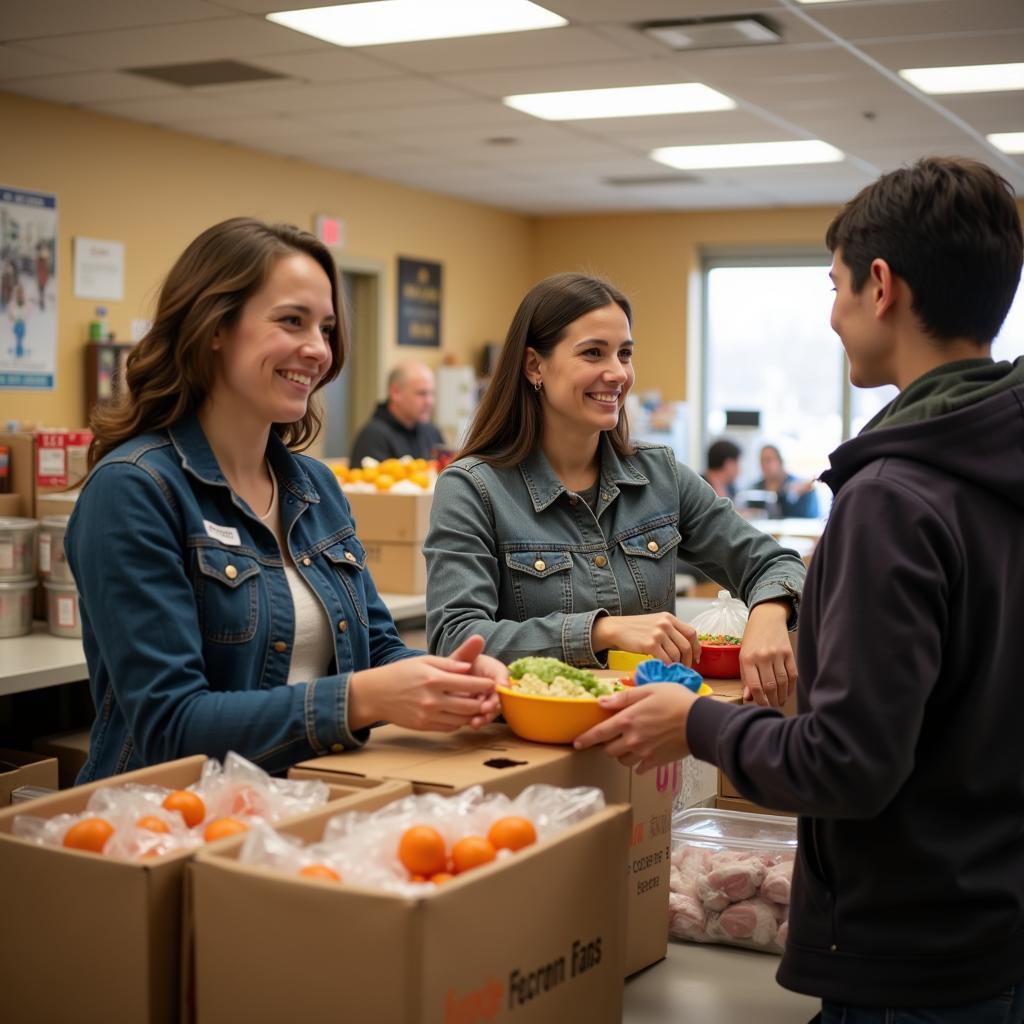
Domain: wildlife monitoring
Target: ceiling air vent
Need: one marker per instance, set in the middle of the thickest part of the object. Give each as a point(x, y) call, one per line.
point(207, 72)
point(713, 33)
point(644, 181)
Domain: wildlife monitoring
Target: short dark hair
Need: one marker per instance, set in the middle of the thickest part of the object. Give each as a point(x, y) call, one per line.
point(508, 421)
point(721, 452)
point(950, 228)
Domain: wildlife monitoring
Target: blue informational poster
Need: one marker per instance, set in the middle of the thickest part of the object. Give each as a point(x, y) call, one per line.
point(28, 289)
point(419, 302)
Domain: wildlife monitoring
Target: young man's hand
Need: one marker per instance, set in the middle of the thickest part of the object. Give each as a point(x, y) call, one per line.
point(767, 665)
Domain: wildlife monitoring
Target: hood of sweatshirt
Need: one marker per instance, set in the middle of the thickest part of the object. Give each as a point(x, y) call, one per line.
point(964, 418)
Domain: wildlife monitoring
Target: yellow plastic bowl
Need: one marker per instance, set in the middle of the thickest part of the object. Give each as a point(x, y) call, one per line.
point(549, 719)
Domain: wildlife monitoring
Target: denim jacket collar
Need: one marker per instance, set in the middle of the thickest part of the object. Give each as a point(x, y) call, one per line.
point(545, 487)
point(198, 459)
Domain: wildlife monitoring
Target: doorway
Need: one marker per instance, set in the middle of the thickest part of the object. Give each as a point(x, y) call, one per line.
point(349, 400)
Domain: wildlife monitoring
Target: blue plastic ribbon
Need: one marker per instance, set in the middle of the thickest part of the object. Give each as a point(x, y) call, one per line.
point(658, 672)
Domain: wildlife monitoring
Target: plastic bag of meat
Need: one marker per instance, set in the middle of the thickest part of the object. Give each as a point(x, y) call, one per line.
point(730, 878)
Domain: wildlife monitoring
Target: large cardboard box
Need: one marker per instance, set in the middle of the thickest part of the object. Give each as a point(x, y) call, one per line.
point(392, 518)
point(533, 938)
point(21, 500)
point(91, 940)
point(500, 762)
point(18, 768)
point(396, 568)
point(45, 462)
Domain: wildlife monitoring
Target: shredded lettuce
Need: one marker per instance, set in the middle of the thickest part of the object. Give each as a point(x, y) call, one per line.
point(547, 669)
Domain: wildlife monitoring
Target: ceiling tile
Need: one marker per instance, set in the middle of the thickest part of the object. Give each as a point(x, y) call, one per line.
point(333, 65)
point(89, 87)
point(17, 62)
point(29, 19)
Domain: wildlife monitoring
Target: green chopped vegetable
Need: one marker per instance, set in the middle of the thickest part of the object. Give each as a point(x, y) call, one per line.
point(719, 638)
point(547, 669)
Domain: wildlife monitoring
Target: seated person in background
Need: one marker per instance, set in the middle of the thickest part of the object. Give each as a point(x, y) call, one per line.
point(401, 425)
point(554, 534)
point(723, 468)
point(796, 498)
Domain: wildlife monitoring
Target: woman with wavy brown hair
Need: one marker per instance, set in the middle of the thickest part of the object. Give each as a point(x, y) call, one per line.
point(225, 599)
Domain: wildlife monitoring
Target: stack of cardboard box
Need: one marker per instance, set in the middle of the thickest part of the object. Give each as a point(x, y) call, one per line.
point(392, 528)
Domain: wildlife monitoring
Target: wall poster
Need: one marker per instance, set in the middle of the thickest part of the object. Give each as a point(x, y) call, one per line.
point(28, 289)
point(419, 303)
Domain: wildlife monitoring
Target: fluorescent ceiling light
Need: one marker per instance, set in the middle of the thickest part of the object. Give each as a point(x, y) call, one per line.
point(1008, 142)
point(820, 1)
point(747, 154)
point(969, 78)
point(631, 101)
point(406, 21)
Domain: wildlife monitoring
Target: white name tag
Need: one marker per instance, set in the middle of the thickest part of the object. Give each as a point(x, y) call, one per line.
point(225, 534)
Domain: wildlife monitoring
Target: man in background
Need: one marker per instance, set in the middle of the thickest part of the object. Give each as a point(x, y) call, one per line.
point(401, 425)
point(723, 468)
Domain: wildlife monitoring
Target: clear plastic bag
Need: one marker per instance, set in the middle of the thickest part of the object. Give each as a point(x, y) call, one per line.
point(362, 848)
point(727, 615)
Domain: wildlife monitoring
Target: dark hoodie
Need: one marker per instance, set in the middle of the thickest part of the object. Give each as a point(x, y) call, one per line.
point(905, 758)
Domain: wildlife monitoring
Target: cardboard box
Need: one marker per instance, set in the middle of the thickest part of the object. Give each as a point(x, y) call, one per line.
point(60, 458)
point(500, 762)
point(392, 518)
point(57, 503)
point(532, 938)
point(20, 502)
point(28, 770)
point(92, 940)
point(396, 568)
point(727, 803)
point(71, 749)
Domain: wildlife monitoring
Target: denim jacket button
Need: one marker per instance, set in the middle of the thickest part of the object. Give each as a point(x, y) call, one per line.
point(307, 561)
point(336, 748)
point(652, 546)
point(280, 646)
point(539, 565)
point(600, 561)
point(231, 572)
point(350, 556)
point(342, 626)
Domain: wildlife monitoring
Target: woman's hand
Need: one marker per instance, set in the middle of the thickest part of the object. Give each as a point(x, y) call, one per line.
point(429, 693)
point(649, 727)
point(767, 665)
point(660, 635)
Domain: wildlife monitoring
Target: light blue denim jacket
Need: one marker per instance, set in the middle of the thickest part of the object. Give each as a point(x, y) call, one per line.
point(187, 619)
point(513, 555)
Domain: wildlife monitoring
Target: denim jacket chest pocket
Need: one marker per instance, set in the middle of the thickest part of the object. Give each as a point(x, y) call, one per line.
point(227, 586)
point(345, 562)
point(541, 582)
point(650, 555)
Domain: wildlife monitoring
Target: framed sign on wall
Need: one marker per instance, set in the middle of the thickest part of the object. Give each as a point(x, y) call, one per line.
point(419, 303)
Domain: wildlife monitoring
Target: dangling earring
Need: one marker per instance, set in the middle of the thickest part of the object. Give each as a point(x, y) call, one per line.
point(538, 385)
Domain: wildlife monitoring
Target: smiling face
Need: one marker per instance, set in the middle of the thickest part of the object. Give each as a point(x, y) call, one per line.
point(271, 359)
point(587, 375)
point(864, 337)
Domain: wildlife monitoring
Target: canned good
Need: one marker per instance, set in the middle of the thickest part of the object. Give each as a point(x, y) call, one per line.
point(16, 599)
point(62, 617)
point(17, 548)
point(53, 566)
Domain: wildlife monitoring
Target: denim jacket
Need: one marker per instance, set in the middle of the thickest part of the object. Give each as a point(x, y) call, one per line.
point(513, 555)
point(187, 619)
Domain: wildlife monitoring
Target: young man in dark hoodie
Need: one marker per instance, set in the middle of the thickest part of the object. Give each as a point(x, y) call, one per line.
point(904, 760)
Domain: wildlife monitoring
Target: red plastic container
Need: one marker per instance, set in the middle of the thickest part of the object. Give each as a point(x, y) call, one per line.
point(719, 661)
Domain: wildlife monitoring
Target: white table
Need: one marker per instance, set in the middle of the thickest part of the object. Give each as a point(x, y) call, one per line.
point(39, 660)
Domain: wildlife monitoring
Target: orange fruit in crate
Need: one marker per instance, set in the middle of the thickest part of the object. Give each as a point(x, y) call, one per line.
point(248, 801)
point(441, 877)
point(420, 478)
point(151, 823)
point(384, 482)
point(512, 833)
point(320, 871)
point(89, 834)
point(470, 852)
point(421, 850)
point(188, 805)
point(221, 828)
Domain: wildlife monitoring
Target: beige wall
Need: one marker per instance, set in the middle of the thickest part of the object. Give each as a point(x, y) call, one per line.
point(654, 257)
point(155, 190)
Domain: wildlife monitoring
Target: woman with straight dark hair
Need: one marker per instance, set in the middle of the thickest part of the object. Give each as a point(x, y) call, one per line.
point(225, 599)
point(556, 535)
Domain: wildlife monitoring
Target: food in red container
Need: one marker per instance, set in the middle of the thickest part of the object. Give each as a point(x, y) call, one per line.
point(719, 655)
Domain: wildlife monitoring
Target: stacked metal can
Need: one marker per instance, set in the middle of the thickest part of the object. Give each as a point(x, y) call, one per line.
point(62, 615)
point(17, 574)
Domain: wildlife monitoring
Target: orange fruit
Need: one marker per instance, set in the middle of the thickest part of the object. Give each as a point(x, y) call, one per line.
point(89, 834)
point(248, 801)
point(188, 805)
point(384, 481)
point(320, 871)
point(441, 877)
point(421, 850)
point(471, 852)
point(151, 823)
point(220, 828)
point(512, 833)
